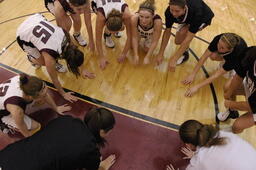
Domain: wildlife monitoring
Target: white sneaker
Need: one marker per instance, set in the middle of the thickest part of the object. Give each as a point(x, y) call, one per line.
point(108, 41)
point(60, 68)
point(222, 116)
point(81, 41)
point(183, 58)
point(118, 34)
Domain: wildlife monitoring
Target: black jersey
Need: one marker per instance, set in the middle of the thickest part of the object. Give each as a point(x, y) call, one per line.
point(232, 60)
point(197, 13)
point(65, 143)
point(249, 67)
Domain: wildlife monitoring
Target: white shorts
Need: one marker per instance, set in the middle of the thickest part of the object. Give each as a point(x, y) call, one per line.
point(30, 108)
point(32, 51)
point(9, 121)
point(145, 43)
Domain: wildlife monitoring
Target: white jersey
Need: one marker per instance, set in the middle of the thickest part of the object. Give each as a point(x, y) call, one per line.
point(147, 33)
point(106, 6)
point(236, 154)
point(9, 89)
point(41, 33)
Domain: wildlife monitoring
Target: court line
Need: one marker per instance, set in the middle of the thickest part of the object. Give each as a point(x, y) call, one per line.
point(122, 110)
point(22, 16)
point(215, 100)
point(107, 105)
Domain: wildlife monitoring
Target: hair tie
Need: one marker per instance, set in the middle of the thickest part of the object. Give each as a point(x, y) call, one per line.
point(24, 79)
point(147, 8)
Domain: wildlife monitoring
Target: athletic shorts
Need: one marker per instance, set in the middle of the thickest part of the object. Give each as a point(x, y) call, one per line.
point(29, 48)
point(9, 121)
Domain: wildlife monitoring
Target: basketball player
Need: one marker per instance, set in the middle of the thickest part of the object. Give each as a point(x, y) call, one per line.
point(226, 48)
point(17, 96)
point(146, 30)
point(45, 43)
point(115, 16)
point(243, 83)
point(193, 16)
point(68, 11)
point(208, 148)
point(66, 143)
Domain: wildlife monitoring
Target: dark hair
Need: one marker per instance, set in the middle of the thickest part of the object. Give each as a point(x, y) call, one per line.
point(74, 58)
point(249, 58)
point(148, 5)
point(99, 119)
point(180, 3)
point(30, 85)
point(198, 134)
point(114, 20)
point(78, 2)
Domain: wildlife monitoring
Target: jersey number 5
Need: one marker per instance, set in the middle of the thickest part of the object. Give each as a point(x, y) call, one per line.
point(39, 31)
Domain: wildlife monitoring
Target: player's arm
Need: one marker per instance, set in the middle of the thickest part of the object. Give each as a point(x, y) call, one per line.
point(134, 22)
point(156, 36)
point(127, 22)
point(18, 116)
point(50, 67)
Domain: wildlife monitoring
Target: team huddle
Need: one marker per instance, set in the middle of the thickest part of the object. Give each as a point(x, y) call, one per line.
point(46, 43)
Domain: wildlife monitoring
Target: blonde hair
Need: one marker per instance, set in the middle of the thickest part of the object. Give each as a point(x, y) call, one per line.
point(198, 134)
point(230, 39)
point(114, 20)
point(148, 5)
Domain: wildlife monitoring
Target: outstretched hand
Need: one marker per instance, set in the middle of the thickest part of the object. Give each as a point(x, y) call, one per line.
point(191, 91)
point(170, 167)
point(63, 108)
point(108, 162)
point(103, 63)
point(87, 74)
point(70, 97)
point(189, 79)
point(187, 152)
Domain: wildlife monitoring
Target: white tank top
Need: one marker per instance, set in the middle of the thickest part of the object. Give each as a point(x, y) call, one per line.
point(41, 33)
point(9, 89)
point(106, 6)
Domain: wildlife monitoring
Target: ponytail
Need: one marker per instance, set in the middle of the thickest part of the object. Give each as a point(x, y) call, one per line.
point(30, 85)
point(99, 119)
point(73, 56)
point(198, 134)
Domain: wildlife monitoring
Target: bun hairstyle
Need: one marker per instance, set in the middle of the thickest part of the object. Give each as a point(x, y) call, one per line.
point(114, 20)
point(230, 39)
point(198, 134)
point(77, 2)
point(73, 56)
point(148, 5)
point(180, 3)
point(99, 119)
point(30, 85)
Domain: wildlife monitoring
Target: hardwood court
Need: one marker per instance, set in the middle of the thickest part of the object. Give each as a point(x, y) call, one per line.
point(135, 142)
point(148, 90)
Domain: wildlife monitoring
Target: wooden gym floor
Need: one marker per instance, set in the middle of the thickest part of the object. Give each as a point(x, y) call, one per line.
point(148, 90)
